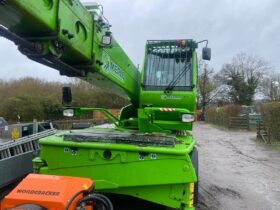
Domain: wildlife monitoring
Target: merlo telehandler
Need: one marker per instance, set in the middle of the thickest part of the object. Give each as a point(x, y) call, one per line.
point(148, 160)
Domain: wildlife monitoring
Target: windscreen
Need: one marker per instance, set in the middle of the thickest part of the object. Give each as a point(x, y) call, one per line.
point(168, 66)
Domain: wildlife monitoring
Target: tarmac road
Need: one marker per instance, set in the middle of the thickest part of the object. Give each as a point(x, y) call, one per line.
point(236, 171)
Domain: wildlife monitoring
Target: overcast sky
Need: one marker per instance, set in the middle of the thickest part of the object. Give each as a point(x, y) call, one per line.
point(232, 26)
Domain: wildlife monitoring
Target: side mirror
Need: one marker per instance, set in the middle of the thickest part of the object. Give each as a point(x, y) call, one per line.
point(206, 53)
point(66, 95)
point(107, 39)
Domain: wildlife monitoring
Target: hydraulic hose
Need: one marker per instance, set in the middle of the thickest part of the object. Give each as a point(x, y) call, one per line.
point(98, 199)
point(85, 192)
point(74, 197)
point(106, 199)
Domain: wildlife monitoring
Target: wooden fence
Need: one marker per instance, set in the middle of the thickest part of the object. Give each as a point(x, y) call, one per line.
point(268, 133)
point(241, 122)
point(262, 131)
point(67, 124)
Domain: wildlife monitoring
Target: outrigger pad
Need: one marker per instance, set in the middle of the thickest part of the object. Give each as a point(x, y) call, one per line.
point(122, 137)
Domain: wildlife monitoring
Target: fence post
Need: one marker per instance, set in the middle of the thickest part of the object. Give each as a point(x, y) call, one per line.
point(35, 126)
point(248, 122)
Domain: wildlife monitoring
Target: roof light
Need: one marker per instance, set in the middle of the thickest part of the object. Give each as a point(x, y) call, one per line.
point(181, 43)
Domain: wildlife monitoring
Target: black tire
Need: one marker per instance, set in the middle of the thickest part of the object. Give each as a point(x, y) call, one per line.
point(194, 158)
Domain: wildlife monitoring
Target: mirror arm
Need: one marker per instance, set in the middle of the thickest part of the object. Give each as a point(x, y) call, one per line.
point(205, 40)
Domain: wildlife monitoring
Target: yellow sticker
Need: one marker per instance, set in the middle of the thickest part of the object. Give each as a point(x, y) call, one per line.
point(15, 133)
point(191, 187)
point(85, 186)
point(191, 203)
point(191, 196)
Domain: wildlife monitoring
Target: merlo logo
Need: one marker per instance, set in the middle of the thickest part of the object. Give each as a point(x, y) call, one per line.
point(109, 67)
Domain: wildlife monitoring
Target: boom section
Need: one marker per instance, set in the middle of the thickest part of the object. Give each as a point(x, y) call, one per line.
point(70, 37)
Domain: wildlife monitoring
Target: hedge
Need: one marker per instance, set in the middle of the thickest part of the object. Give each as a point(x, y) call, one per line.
point(271, 118)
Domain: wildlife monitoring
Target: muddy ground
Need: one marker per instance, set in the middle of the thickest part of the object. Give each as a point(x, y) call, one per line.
point(236, 171)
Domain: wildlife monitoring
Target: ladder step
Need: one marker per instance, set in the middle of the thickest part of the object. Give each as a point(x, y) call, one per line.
point(23, 145)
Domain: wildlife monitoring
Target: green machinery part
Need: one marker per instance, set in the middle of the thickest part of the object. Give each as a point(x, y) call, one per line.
point(149, 155)
point(68, 36)
point(168, 90)
point(156, 168)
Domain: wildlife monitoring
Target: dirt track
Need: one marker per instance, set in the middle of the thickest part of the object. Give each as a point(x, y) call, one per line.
point(236, 172)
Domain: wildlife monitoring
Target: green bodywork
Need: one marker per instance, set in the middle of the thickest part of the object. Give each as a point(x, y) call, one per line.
point(148, 153)
point(66, 30)
point(159, 174)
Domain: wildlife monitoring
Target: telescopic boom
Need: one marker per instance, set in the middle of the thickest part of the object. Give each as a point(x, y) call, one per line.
point(72, 38)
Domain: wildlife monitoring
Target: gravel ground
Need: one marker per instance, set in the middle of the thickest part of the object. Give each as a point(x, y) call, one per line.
point(236, 171)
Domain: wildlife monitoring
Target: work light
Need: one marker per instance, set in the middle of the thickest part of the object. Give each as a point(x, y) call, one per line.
point(187, 118)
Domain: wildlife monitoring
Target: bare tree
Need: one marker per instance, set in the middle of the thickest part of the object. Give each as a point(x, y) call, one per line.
point(270, 87)
point(205, 85)
point(243, 75)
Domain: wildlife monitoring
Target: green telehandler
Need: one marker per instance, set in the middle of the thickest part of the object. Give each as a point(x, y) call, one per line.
point(149, 159)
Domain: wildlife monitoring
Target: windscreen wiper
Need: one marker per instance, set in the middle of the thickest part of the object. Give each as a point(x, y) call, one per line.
point(173, 83)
